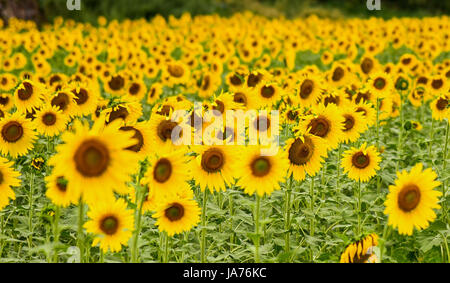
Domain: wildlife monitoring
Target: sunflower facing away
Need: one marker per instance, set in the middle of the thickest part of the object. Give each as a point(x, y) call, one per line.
point(112, 223)
point(176, 214)
point(361, 164)
point(411, 200)
point(8, 178)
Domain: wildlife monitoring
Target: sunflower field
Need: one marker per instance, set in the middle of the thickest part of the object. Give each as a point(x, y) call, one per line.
point(91, 169)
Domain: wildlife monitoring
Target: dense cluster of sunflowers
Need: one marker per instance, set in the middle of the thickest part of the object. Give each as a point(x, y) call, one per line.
point(101, 101)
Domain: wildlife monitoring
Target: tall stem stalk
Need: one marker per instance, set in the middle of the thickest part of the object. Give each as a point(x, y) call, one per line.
point(80, 235)
point(56, 233)
point(258, 204)
point(444, 167)
point(140, 197)
point(287, 219)
point(312, 220)
point(203, 238)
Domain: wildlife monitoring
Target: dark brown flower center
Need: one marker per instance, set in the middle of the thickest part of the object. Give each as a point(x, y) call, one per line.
point(61, 184)
point(235, 80)
point(212, 160)
point(118, 113)
point(260, 166)
point(134, 89)
point(92, 158)
point(61, 100)
point(80, 97)
point(4, 100)
point(437, 84)
point(165, 129)
point(262, 123)
point(240, 97)
point(253, 79)
point(49, 119)
point(406, 61)
point(422, 80)
point(349, 122)
point(301, 152)
point(360, 160)
point(362, 110)
point(174, 212)
point(219, 106)
point(306, 88)
point(267, 91)
point(442, 103)
point(162, 170)
point(338, 74)
point(25, 92)
point(319, 126)
point(12, 131)
point(137, 135)
point(116, 82)
point(379, 83)
point(366, 65)
point(408, 197)
point(109, 225)
point(175, 71)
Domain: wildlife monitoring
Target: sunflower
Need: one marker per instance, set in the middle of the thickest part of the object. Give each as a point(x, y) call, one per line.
point(380, 84)
point(338, 75)
point(154, 92)
point(6, 102)
point(306, 154)
point(162, 129)
point(128, 112)
point(213, 167)
point(361, 251)
point(411, 200)
point(268, 94)
point(247, 97)
point(176, 214)
point(142, 136)
point(361, 163)
point(50, 121)
point(95, 161)
point(8, 178)
point(261, 173)
point(65, 100)
point(354, 123)
point(440, 108)
point(28, 95)
point(112, 223)
point(86, 98)
point(17, 135)
point(325, 122)
point(438, 84)
point(59, 191)
point(137, 90)
point(309, 90)
point(115, 84)
point(168, 172)
point(37, 163)
point(225, 101)
point(368, 112)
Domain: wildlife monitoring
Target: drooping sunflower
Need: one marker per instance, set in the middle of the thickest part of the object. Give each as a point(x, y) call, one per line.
point(17, 135)
point(259, 172)
point(213, 166)
point(440, 108)
point(95, 161)
point(168, 172)
point(361, 164)
point(27, 96)
point(50, 121)
point(176, 214)
point(112, 223)
point(142, 136)
point(411, 200)
point(306, 154)
point(325, 122)
point(361, 251)
point(59, 191)
point(9, 178)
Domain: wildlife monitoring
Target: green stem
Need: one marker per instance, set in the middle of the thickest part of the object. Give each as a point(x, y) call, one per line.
point(140, 197)
point(56, 233)
point(444, 167)
point(359, 209)
point(102, 256)
point(400, 134)
point(446, 247)
point(312, 220)
point(230, 199)
point(287, 219)
point(166, 248)
point(203, 239)
point(377, 125)
point(338, 162)
point(258, 204)
point(431, 140)
point(30, 210)
point(80, 235)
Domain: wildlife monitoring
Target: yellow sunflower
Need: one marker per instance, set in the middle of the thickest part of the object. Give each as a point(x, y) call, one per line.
point(50, 121)
point(28, 95)
point(176, 214)
point(309, 90)
point(112, 223)
point(361, 251)
point(261, 173)
point(95, 161)
point(411, 200)
point(306, 154)
point(59, 191)
point(354, 123)
point(213, 166)
point(439, 108)
point(9, 178)
point(361, 163)
point(17, 135)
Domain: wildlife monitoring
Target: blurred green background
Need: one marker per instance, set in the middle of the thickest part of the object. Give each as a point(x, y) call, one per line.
point(46, 10)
